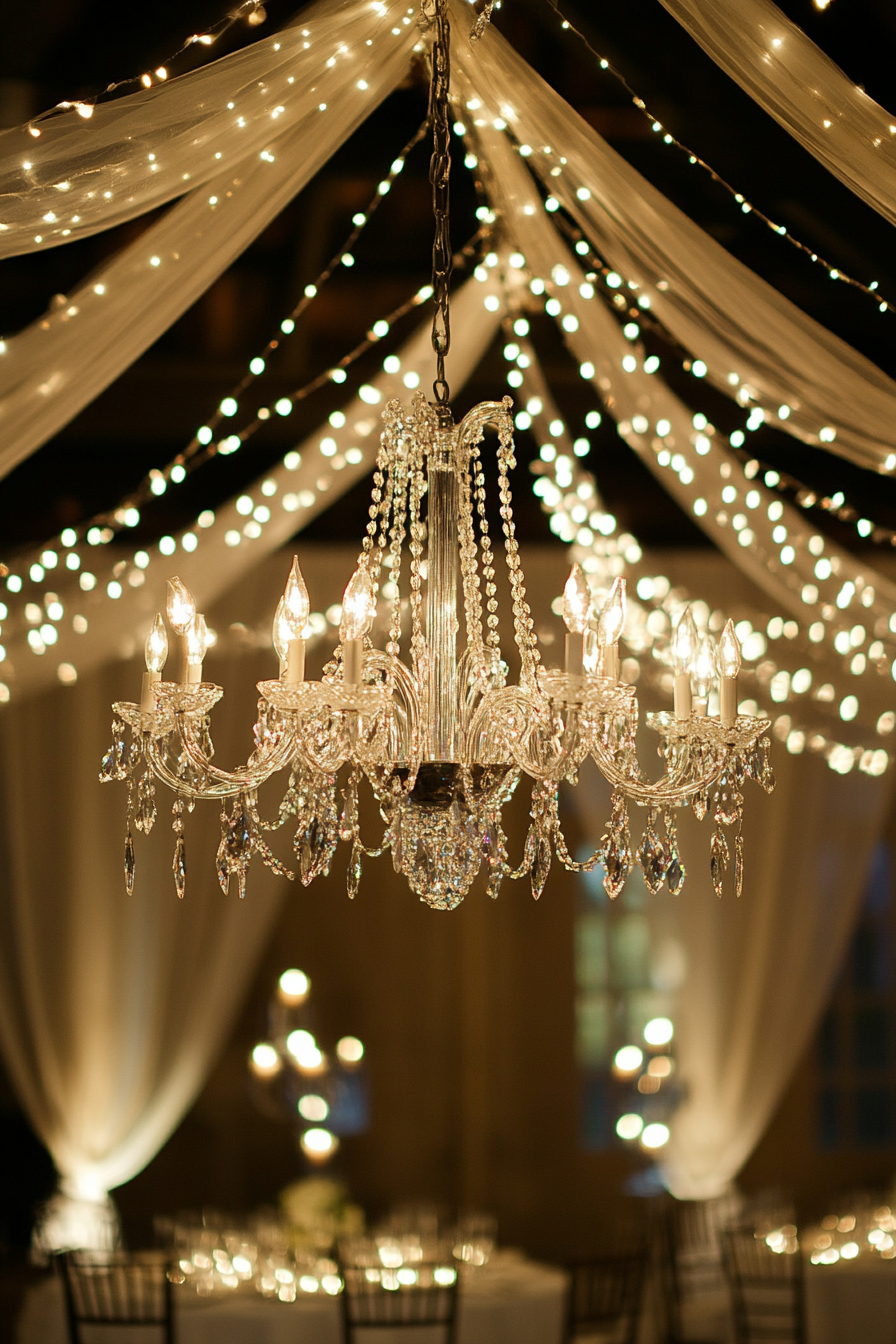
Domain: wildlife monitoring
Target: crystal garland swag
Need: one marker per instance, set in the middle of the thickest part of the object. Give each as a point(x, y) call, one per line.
point(442, 739)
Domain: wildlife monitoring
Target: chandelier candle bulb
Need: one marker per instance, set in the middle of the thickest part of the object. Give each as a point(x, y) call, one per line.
point(358, 611)
point(703, 675)
point(297, 606)
point(729, 666)
point(684, 649)
point(612, 620)
point(181, 611)
point(576, 605)
point(197, 643)
point(156, 653)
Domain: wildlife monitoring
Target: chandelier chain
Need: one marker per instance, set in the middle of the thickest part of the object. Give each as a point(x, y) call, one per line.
point(439, 175)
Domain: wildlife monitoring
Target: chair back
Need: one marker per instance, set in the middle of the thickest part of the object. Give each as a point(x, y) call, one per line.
point(378, 1299)
point(767, 1290)
point(605, 1297)
point(117, 1288)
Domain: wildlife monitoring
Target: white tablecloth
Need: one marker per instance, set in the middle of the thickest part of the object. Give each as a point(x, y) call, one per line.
point(852, 1302)
point(512, 1301)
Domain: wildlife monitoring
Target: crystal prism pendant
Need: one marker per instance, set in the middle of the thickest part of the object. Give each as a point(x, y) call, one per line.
point(179, 866)
point(652, 856)
point(130, 863)
point(718, 859)
point(145, 811)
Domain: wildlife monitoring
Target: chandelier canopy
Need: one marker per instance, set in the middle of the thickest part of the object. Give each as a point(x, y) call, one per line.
point(433, 722)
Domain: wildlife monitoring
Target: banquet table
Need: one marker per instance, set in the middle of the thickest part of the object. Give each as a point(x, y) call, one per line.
point(852, 1301)
point(509, 1301)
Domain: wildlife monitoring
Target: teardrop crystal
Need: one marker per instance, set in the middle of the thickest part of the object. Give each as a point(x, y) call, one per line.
point(542, 866)
point(718, 859)
point(130, 863)
point(179, 867)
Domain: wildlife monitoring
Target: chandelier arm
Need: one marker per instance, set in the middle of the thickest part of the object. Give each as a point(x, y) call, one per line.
point(663, 791)
point(181, 786)
point(248, 776)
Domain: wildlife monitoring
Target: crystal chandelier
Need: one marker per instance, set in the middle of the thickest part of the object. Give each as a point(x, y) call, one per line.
point(442, 737)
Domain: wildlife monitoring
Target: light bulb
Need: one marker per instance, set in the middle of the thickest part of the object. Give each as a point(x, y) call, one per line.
point(283, 631)
point(684, 643)
point(703, 668)
point(729, 651)
point(358, 605)
point(197, 641)
point(576, 601)
point(181, 606)
point(612, 616)
point(296, 603)
point(156, 645)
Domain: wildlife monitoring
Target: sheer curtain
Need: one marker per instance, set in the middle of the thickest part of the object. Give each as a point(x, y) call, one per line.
point(802, 88)
point(113, 1008)
point(759, 970)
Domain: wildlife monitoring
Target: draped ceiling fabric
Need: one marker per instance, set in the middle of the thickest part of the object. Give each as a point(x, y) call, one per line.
point(803, 89)
point(56, 366)
point(718, 309)
point(292, 494)
point(143, 150)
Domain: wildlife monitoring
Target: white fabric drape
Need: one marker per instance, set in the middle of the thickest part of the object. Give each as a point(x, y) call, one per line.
point(721, 312)
point(52, 369)
point(802, 88)
point(145, 149)
point(112, 1008)
point(636, 396)
point(291, 494)
point(760, 969)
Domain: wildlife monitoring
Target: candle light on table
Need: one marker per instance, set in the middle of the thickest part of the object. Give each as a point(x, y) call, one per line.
point(703, 674)
point(181, 609)
point(358, 611)
point(575, 606)
point(729, 666)
point(156, 653)
point(684, 649)
point(610, 625)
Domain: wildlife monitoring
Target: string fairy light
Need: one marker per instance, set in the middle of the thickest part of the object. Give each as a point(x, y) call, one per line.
point(746, 206)
point(203, 444)
point(250, 11)
point(806, 496)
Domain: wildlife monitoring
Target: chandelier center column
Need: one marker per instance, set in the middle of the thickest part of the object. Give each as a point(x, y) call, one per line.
point(441, 597)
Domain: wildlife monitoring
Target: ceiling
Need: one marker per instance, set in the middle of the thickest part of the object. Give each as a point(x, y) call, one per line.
point(70, 48)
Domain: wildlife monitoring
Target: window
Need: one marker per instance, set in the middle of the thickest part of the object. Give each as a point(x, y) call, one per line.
point(629, 967)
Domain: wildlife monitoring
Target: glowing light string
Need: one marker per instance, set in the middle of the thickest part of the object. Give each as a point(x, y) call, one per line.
point(252, 11)
point(746, 206)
